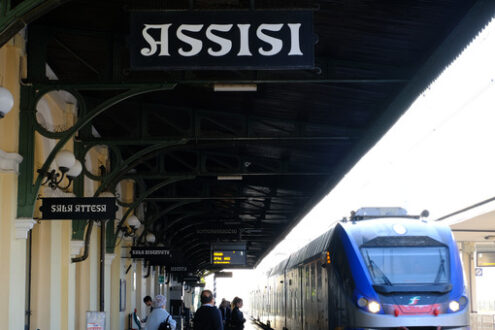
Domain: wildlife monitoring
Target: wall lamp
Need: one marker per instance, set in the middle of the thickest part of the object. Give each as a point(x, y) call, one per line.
point(6, 101)
point(133, 225)
point(150, 238)
point(68, 166)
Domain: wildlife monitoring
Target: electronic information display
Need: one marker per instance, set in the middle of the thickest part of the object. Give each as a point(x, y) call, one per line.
point(485, 259)
point(228, 257)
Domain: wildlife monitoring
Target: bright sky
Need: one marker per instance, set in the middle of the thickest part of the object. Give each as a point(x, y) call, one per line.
point(439, 156)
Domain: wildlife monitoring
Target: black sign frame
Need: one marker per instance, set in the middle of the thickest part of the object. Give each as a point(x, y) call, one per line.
point(222, 40)
point(78, 208)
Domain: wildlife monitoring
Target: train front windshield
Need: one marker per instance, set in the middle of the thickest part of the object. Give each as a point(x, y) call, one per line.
point(416, 265)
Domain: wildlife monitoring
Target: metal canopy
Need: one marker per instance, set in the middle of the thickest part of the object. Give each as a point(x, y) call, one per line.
point(252, 161)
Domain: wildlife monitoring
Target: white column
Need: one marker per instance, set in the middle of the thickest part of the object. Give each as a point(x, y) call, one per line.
point(150, 282)
point(55, 274)
point(108, 287)
point(468, 250)
point(18, 264)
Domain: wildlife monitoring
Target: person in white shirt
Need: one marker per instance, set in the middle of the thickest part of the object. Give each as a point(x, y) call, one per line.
point(159, 314)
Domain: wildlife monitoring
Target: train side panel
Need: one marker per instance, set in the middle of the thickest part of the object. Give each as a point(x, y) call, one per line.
point(314, 302)
point(294, 308)
point(278, 322)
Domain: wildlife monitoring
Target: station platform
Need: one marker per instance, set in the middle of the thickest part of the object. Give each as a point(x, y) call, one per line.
point(250, 325)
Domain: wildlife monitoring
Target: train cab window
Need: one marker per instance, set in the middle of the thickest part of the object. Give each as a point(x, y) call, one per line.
point(407, 265)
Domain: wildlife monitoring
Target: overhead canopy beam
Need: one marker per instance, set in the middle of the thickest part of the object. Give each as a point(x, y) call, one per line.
point(192, 198)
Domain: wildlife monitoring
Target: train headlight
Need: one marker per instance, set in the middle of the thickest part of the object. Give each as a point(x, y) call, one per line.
point(362, 302)
point(454, 306)
point(373, 307)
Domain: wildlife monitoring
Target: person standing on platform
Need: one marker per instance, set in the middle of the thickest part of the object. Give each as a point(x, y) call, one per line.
point(159, 315)
point(208, 316)
point(237, 319)
point(226, 313)
point(149, 307)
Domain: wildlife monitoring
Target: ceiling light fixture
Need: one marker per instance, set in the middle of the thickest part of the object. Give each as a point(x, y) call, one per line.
point(235, 87)
point(150, 238)
point(229, 177)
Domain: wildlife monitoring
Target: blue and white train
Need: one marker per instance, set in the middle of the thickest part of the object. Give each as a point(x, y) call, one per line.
point(370, 272)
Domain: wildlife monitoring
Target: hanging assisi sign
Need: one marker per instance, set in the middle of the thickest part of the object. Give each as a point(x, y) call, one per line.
point(222, 40)
point(85, 208)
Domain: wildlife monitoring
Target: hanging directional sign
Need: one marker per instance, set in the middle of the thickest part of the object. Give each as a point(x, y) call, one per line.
point(150, 253)
point(160, 256)
point(222, 40)
point(78, 208)
point(223, 274)
point(177, 268)
point(212, 232)
point(191, 278)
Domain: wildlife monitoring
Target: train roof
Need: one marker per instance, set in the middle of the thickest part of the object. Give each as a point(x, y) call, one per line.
point(309, 251)
point(367, 230)
point(364, 231)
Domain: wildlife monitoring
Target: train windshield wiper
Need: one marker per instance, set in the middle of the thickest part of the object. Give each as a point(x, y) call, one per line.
point(381, 274)
point(441, 270)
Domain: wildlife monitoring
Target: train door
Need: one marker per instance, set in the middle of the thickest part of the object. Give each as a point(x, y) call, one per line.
point(306, 309)
point(263, 313)
point(285, 297)
point(290, 300)
point(309, 297)
point(279, 317)
point(321, 296)
point(312, 302)
point(303, 278)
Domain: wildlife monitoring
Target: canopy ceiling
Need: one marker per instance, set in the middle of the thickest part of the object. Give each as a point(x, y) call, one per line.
point(252, 161)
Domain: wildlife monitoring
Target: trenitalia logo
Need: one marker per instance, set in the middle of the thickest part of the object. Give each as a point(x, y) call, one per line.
point(414, 300)
point(222, 40)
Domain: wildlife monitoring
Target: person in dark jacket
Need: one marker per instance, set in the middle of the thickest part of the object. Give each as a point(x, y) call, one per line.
point(208, 316)
point(237, 318)
point(226, 313)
